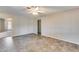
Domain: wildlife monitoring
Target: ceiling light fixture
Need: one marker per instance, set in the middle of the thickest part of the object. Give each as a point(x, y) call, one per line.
point(35, 10)
point(35, 13)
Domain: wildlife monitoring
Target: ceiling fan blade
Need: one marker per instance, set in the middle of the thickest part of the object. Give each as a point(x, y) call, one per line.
point(41, 11)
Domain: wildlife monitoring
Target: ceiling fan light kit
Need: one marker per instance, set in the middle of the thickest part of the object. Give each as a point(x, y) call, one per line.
point(35, 10)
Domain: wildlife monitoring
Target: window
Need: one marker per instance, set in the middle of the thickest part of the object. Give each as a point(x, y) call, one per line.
point(9, 23)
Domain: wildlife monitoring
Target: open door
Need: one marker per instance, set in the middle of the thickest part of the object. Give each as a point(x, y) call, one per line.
point(39, 26)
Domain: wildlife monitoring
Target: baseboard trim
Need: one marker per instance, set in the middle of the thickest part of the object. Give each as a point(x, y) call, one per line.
point(22, 34)
point(60, 39)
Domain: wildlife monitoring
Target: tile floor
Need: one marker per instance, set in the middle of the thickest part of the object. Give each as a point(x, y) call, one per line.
point(36, 43)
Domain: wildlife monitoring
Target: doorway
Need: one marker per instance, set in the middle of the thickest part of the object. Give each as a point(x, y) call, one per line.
point(39, 26)
point(2, 25)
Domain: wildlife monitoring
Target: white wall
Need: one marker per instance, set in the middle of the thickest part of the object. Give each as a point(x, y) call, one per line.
point(35, 25)
point(62, 25)
point(23, 25)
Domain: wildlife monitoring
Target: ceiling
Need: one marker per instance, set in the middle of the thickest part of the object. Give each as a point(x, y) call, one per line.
point(22, 10)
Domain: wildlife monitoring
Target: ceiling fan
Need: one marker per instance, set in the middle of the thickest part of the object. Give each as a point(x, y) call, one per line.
point(35, 10)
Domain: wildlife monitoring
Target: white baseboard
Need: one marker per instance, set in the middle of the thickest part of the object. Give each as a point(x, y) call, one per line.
point(63, 39)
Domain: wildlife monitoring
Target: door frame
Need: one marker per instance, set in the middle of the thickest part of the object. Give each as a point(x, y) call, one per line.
point(39, 26)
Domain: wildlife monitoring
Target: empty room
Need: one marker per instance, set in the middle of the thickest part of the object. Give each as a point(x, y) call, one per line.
point(39, 29)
